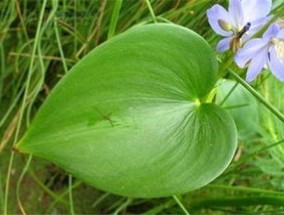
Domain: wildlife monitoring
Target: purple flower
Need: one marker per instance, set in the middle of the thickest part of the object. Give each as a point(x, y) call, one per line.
point(265, 52)
point(242, 20)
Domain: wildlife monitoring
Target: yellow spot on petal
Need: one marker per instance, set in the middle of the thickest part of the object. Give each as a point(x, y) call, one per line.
point(279, 47)
point(224, 25)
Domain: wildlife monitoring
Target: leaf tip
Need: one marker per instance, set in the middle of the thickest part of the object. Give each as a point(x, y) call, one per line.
point(15, 149)
point(18, 148)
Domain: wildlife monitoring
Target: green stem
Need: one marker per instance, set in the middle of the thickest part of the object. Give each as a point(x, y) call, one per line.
point(24, 103)
point(249, 190)
point(158, 209)
point(47, 190)
point(225, 65)
point(228, 95)
point(2, 69)
point(60, 197)
point(181, 205)
point(238, 163)
point(19, 184)
point(11, 107)
point(1, 193)
point(114, 19)
point(72, 211)
point(151, 11)
point(55, 5)
point(100, 199)
point(122, 206)
point(274, 110)
point(238, 201)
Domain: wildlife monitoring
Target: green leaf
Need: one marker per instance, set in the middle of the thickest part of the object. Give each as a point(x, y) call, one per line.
point(128, 119)
point(242, 106)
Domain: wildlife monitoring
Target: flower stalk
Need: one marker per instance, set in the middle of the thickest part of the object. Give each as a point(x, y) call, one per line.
point(269, 106)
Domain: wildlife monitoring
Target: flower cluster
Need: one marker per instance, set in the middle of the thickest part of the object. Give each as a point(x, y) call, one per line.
point(243, 20)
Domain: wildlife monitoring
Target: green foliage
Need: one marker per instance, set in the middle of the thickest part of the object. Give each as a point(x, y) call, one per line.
point(242, 106)
point(272, 131)
point(70, 29)
point(129, 112)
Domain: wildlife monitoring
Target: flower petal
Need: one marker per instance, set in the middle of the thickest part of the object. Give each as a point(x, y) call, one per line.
point(224, 44)
point(276, 65)
point(255, 9)
point(236, 14)
point(215, 14)
point(272, 31)
point(257, 24)
point(250, 50)
point(280, 35)
point(256, 66)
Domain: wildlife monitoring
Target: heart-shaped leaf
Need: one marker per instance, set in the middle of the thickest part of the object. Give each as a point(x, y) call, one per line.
point(129, 117)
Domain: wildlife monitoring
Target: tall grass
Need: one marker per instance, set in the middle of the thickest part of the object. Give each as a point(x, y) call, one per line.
point(41, 40)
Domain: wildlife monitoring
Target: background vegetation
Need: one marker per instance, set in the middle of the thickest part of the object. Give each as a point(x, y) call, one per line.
point(37, 52)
